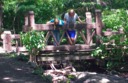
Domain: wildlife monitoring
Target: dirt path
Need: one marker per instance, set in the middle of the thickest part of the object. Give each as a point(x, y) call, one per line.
point(13, 71)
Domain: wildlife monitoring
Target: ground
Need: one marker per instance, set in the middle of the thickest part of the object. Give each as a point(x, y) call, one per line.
point(14, 71)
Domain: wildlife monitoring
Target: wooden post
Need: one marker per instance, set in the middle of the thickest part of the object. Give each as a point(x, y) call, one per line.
point(25, 27)
point(31, 20)
point(6, 36)
point(26, 19)
point(31, 25)
point(121, 31)
point(98, 26)
point(88, 27)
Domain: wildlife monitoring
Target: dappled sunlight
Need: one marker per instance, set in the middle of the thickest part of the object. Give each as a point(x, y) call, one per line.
point(14, 80)
point(19, 69)
point(15, 71)
point(6, 78)
point(11, 80)
point(90, 80)
point(104, 80)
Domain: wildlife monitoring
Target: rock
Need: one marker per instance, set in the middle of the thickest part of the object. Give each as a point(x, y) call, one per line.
point(101, 78)
point(61, 76)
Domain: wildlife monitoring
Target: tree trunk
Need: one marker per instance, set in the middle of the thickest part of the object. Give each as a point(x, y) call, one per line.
point(32, 58)
point(1, 12)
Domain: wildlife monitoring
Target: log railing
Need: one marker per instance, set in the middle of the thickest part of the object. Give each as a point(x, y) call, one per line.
point(86, 31)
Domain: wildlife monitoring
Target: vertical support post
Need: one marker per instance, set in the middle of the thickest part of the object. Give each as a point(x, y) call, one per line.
point(98, 26)
point(31, 20)
point(6, 36)
point(25, 27)
point(88, 27)
point(121, 31)
point(31, 25)
point(26, 19)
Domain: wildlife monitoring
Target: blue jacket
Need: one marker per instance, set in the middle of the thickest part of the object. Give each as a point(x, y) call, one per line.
point(61, 22)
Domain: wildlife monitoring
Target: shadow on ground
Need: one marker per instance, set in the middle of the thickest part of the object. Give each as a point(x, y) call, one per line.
point(14, 71)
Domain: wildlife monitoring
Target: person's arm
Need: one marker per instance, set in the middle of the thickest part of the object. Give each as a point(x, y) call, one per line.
point(65, 21)
point(50, 22)
point(79, 20)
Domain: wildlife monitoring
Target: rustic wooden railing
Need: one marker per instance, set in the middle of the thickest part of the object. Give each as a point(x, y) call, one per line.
point(86, 31)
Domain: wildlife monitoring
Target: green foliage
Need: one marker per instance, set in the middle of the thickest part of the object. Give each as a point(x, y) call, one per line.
point(22, 57)
point(44, 10)
point(117, 3)
point(71, 77)
point(38, 71)
point(115, 19)
point(33, 41)
point(99, 52)
point(113, 50)
point(15, 10)
point(47, 78)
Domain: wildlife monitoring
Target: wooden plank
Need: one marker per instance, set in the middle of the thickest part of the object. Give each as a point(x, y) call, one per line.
point(61, 57)
point(81, 52)
point(54, 38)
point(66, 47)
point(22, 49)
point(15, 36)
point(68, 37)
point(76, 47)
point(46, 27)
point(43, 27)
point(25, 28)
point(109, 33)
point(83, 36)
point(92, 35)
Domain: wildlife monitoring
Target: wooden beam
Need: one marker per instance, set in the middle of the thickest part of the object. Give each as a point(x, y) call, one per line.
point(109, 33)
point(61, 57)
point(78, 47)
point(66, 47)
point(46, 27)
point(43, 27)
point(15, 36)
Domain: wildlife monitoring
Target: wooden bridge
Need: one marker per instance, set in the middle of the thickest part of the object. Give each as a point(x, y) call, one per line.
point(89, 32)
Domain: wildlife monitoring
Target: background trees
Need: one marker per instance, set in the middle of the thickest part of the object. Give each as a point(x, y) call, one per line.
point(114, 13)
point(14, 10)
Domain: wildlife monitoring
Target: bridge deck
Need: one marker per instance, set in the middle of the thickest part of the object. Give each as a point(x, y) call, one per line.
point(63, 52)
point(75, 47)
point(64, 55)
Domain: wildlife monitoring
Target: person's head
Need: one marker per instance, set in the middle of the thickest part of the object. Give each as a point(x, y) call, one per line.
point(56, 21)
point(71, 13)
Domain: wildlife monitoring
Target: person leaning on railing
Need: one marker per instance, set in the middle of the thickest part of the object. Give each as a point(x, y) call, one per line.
point(70, 18)
point(57, 23)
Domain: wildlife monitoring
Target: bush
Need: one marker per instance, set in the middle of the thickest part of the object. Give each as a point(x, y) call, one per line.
point(33, 41)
